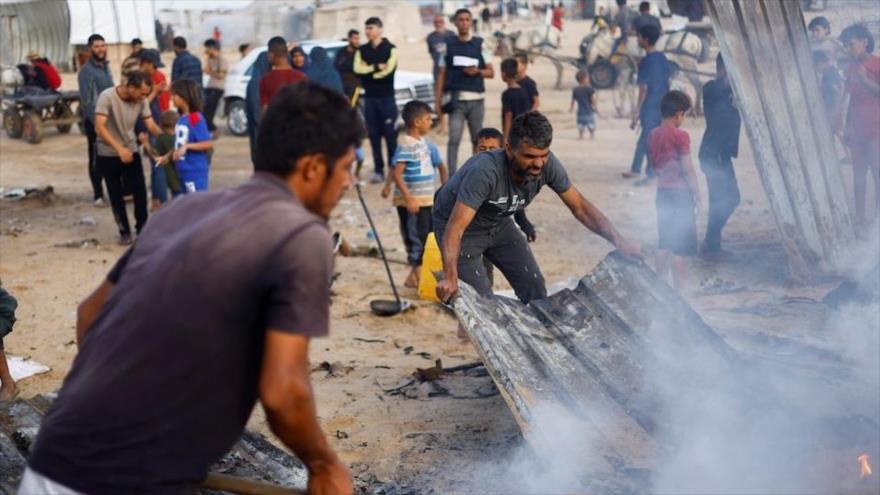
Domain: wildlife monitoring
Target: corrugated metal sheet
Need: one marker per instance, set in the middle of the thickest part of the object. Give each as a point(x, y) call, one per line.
point(40, 25)
point(587, 351)
point(767, 54)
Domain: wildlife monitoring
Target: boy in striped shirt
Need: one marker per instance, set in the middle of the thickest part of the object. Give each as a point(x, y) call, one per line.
point(415, 172)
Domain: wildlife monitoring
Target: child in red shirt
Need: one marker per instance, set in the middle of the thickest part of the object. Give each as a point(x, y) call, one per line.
point(862, 131)
point(677, 192)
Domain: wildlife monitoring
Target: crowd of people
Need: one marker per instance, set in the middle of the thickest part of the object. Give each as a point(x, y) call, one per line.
point(856, 124)
point(250, 302)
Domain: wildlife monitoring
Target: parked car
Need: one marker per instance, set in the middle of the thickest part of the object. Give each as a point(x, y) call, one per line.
point(407, 85)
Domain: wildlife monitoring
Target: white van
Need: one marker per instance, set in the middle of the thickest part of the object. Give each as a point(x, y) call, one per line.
point(407, 85)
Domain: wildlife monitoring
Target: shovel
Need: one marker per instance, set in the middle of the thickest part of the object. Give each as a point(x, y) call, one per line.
point(382, 307)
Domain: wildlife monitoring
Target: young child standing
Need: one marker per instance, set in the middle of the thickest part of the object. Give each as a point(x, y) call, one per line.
point(831, 85)
point(585, 97)
point(414, 175)
point(527, 83)
point(677, 190)
point(488, 139)
point(822, 41)
point(514, 100)
point(163, 148)
point(192, 139)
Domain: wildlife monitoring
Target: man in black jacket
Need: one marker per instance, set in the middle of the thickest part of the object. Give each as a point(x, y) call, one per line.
point(375, 62)
point(719, 146)
point(344, 63)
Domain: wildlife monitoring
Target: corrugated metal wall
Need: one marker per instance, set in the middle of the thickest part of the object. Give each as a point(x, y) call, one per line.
point(767, 54)
point(41, 25)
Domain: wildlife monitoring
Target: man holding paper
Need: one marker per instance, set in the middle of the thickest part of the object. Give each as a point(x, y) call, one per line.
point(460, 90)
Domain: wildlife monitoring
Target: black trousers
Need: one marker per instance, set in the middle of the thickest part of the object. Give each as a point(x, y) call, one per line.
point(94, 174)
point(505, 247)
point(723, 196)
point(116, 174)
point(380, 115)
point(212, 99)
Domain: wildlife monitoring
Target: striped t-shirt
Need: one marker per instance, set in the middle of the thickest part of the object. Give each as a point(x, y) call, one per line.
point(422, 159)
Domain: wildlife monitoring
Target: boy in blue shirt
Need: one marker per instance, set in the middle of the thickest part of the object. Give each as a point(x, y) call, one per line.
point(653, 79)
point(192, 139)
point(415, 171)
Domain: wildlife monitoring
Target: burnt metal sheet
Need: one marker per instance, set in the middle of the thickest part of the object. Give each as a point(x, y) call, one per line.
point(252, 457)
point(587, 351)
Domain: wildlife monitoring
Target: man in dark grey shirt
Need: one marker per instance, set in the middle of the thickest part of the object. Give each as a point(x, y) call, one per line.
point(436, 41)
point(212, 308)
point(645, 18)
point(472, 212)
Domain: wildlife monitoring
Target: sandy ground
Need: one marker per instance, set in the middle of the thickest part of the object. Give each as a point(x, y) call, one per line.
point(432, 444)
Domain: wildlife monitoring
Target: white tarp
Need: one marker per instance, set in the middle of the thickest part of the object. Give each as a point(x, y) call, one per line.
point(21, 368)
point(118, 21)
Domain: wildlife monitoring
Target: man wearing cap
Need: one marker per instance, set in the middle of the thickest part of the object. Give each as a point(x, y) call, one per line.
point(94, 77)
point(160, 101)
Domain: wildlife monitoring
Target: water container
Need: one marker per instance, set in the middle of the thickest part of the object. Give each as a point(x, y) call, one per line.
point(432, 262)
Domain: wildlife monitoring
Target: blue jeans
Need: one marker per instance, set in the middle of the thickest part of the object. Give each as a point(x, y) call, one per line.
point(414, 228)
point(380, 115)
point(158, 182)
point(648, 125)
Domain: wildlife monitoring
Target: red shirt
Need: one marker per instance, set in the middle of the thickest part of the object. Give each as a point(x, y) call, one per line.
point(164, 97)
point(273, 80)
point(863, 118)
point(666, 147)
point(556, 18)
point(52, 77)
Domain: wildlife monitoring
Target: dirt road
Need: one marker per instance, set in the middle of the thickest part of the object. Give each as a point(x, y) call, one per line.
point(437, 443)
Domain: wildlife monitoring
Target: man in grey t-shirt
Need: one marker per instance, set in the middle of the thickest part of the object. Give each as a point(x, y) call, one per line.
point(472, 212)
point(117, 112)
point(212, 308)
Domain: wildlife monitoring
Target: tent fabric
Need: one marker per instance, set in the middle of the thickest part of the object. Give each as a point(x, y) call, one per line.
point(37, 25)
point(118, 21)
point(50, 27)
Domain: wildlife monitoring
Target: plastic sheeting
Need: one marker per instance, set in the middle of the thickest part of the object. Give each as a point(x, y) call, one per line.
point(118, 21)
point(38, 25)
